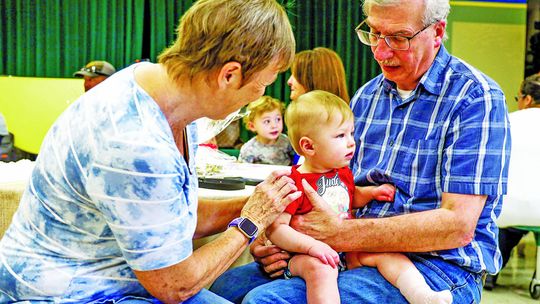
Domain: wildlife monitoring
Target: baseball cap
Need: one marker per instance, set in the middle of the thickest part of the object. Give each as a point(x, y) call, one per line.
point(96, 68)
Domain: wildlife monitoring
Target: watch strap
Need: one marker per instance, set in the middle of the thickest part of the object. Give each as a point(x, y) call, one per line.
point(246, 226)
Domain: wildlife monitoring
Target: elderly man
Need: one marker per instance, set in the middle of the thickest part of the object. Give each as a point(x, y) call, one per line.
point(94, 73)
point(437, 129)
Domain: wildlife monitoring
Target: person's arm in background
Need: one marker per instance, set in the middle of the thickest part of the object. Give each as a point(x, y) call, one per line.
point(181, 281)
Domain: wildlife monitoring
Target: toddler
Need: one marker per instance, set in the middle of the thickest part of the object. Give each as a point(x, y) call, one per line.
point(321, 129)
point(269, 146)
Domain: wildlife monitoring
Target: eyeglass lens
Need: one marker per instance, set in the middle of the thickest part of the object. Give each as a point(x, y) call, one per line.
point(394, 42)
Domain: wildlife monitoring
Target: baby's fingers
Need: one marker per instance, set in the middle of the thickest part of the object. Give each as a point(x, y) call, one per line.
point(331, 261)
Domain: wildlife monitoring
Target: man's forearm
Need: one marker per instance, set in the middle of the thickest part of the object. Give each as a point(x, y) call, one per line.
point(213, 216)
point(450, 226)
point(419, 232)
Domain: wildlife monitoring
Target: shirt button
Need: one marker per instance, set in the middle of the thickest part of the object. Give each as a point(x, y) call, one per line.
point(391, 143)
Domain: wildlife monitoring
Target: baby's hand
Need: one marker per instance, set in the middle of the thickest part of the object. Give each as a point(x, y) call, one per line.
point(384, 192)
point(325, 253)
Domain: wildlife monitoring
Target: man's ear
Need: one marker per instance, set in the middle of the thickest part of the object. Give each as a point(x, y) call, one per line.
point(230, 75)
point(439, 32)
point(306, 146)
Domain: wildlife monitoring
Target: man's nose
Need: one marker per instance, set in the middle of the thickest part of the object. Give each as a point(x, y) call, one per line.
point(382, 51)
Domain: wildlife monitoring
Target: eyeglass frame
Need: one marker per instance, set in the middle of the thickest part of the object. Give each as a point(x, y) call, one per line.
point(379, 37)
point(519, 96)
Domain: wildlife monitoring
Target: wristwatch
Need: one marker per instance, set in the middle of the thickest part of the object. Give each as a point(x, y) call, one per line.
point(246, 226)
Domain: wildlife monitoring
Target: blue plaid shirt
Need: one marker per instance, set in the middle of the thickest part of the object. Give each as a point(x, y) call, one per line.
point(451, 135)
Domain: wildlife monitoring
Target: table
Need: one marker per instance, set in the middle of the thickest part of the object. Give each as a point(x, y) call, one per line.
point(224, 194)
point(13, 179)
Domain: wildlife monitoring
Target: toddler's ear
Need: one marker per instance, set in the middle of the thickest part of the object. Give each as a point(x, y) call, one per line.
point(306, 145)
point(250, 126)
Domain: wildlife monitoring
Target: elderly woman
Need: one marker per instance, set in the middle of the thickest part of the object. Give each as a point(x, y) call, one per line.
point(112, 208)
point(318, 69)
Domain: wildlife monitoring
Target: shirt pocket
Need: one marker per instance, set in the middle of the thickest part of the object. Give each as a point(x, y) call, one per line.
point(419, 168)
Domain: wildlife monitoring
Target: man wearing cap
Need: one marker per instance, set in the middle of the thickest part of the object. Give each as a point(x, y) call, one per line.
point(94, 73)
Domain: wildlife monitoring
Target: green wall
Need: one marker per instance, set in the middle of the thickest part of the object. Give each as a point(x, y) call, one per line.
point(31, 105)
point(492, 37)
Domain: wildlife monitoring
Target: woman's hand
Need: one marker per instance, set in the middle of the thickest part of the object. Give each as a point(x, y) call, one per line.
point(272, 258)
point(321, 223)
point(270, 198)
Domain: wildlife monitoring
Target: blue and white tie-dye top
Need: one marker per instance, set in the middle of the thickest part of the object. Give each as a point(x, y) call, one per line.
point(110, 193)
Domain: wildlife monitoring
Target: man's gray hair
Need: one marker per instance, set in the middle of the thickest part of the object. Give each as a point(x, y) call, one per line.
point(435, 10)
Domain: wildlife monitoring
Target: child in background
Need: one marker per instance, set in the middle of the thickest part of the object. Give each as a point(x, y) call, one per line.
point(321, 129)
point(269, 146)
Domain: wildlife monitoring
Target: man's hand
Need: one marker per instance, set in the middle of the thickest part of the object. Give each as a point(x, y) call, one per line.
point(325, 253)
point(271, 257)
point(321, 222)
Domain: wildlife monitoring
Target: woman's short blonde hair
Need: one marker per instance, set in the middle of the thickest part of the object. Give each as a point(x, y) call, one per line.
point(214, 32)
point(262, 105)
point(311, 112)
point(321, 69)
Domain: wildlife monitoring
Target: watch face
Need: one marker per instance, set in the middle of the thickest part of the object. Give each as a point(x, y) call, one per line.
point(248, 227)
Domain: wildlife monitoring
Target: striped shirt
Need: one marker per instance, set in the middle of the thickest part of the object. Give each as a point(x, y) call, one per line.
point(110, 192)
point(451, 135)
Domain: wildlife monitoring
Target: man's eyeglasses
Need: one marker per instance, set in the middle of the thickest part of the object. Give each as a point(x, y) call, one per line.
point(395, 42)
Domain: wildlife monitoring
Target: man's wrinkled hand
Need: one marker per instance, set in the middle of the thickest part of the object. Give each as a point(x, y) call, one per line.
point(272, 258)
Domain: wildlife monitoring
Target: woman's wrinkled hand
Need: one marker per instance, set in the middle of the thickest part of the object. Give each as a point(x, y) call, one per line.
point(270, 198)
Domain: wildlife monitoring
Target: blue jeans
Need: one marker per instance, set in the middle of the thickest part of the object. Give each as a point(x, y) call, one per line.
point(249, 284)
point(202, 297)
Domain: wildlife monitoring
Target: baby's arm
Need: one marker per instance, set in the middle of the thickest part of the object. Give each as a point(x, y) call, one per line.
point(365, 194)
point(285, 237)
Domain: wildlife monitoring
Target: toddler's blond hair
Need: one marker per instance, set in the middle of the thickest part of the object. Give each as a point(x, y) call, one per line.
point(311, 112)
point(262, 105)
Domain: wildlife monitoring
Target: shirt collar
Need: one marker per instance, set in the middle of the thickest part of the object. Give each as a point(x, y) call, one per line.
point(433, 79)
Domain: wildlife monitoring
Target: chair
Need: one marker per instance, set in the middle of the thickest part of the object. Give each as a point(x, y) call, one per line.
point(534, 286)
